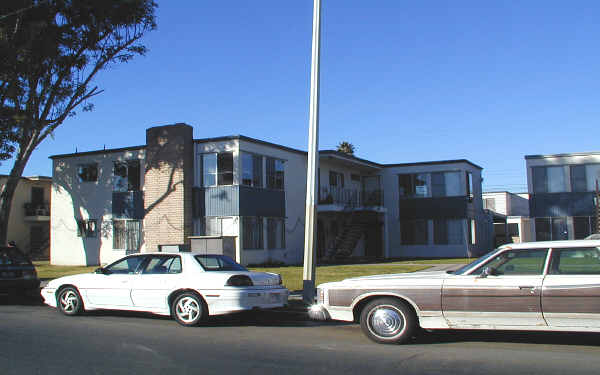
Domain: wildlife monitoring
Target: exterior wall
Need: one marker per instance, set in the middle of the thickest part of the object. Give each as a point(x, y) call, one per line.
point(20, 224)
point(566, 203)
point(72, 199)
point(508, 204)
point(169, 174)
point(474, 210)
point(295, 197)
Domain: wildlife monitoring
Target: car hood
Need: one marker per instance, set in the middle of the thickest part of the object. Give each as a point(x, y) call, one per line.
point(413, 278)
point(72, 279)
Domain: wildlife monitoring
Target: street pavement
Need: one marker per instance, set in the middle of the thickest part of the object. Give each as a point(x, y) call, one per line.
point(36, 339)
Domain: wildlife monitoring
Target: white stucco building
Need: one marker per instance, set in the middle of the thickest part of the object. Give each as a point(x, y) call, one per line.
point(245, 197)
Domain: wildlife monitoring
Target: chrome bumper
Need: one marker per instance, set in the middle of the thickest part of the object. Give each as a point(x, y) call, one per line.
point(318, 312)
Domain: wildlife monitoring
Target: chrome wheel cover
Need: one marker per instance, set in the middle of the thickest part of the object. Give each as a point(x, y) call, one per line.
point(188, 309)
point(386, 321)
point(69, 301)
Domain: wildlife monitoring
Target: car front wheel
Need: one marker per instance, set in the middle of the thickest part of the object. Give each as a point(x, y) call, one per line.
point(388, 321)
point(188, 309)
point(69, 301)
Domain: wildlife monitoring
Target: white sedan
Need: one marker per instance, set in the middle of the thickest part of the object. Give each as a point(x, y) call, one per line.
point(187, 286)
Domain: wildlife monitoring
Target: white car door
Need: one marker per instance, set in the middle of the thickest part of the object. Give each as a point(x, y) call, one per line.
point(153, 284)
point(112, 287)
point(571, 292)
point(510, 295)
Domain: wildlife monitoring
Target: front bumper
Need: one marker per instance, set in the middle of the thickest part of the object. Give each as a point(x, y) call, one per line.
point(318, 312)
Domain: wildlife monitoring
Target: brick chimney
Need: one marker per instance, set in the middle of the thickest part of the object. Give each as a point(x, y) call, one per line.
point(168, 185)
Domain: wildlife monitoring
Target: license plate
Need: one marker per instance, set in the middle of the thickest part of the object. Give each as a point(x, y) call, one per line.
point(275, 297)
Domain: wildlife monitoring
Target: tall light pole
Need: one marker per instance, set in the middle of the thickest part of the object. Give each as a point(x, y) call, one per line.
point(310, 229)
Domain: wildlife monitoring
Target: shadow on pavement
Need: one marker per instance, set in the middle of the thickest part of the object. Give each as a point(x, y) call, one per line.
point(21, 300)
point(521, 337)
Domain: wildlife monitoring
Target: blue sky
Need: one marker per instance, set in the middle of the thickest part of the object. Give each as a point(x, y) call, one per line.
point(404, 81)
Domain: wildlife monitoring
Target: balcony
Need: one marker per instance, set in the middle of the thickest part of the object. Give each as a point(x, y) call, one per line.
point(37, 211)
point(332, 198)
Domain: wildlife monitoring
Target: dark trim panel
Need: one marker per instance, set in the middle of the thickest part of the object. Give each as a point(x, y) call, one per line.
point(434, 208)
point(562, 204)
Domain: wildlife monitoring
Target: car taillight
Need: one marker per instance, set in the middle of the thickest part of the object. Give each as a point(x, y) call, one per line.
point(239, 280)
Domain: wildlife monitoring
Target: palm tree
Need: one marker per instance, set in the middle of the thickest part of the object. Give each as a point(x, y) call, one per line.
point(346, 148)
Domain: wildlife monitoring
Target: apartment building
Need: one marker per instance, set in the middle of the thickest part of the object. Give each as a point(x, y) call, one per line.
point(562, 188)
point(510, 213)
point(246, 198)
point(29, 221)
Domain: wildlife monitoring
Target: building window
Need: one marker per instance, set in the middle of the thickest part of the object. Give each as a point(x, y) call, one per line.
point(127, 234)
point(413, 185)
point(583, 226)
point(275, 233)
point(551, 229)
point(470, 191)
point(210, 226)
point(336, 179)
point(592, 174)
point(87, 172)
point(549, 179)
point(126, 176)
point(252, 170)
point(355, 177)
point(86, 228)
point(252, 232)
point(445, 184)
point(578, 180)
point(472, 232)
point(217, 169)
point(414, 232)
point(275, 174)
point(489, 203)
point(448, 232)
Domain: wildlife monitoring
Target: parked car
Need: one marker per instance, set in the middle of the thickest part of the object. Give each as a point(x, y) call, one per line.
point(187, 286)
point(538, 286)
point(17, 273)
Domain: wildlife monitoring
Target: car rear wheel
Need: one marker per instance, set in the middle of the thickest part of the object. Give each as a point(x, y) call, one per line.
point(69, 301)
point(388, 321)
point(189, 309)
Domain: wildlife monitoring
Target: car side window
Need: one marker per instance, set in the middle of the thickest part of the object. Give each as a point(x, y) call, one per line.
point(125, 266)
point(163, 265)
point(575, 261)
point(517, 262)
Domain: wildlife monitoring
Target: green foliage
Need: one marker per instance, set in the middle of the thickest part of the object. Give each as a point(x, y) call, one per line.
point(50, 51)
point(346, 148)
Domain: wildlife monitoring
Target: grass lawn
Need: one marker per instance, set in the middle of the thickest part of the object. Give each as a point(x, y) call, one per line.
point(47, 271)
point(292, 276)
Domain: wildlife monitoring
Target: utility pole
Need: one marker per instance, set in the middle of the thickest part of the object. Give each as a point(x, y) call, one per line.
point(310, 228)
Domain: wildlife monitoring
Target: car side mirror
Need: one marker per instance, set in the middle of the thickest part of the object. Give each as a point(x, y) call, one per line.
point(488, 271)
point(102, 270)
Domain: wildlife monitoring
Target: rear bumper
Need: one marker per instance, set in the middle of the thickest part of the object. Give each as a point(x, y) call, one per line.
point(227, 301)
point(318, 312)
point(19, 285)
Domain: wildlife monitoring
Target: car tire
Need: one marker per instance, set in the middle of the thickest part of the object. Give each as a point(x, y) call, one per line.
point(69, 301)
point(388, 321)
point(189, 309)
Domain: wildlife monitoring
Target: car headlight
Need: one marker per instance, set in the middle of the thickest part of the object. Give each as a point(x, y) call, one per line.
point(239, 280)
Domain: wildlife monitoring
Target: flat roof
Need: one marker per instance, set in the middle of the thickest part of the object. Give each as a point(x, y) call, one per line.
point(270, 144)
point(434, 163)
point(562, 155)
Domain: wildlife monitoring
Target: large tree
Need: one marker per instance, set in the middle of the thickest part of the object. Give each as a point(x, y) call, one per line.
point(346, 148)
point(50, 52)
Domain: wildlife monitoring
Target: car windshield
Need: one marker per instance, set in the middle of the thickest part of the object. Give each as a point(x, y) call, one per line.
point(481, 260)
point(12, 255)
point(218, 263)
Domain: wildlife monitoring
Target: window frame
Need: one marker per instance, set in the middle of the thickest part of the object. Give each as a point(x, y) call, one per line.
point(220, 173)
point(127, 232)
point(83, 173)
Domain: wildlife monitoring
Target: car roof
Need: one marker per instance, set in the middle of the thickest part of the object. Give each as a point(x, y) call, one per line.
point(552, 244)
point(175, 253)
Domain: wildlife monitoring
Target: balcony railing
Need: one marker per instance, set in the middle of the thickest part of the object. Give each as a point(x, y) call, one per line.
point(37, 209)
point(350, 197)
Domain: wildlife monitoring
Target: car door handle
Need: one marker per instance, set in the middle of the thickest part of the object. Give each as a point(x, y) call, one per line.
point(526, 287)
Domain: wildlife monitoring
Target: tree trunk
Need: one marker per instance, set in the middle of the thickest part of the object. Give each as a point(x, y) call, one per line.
point(7, 191)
